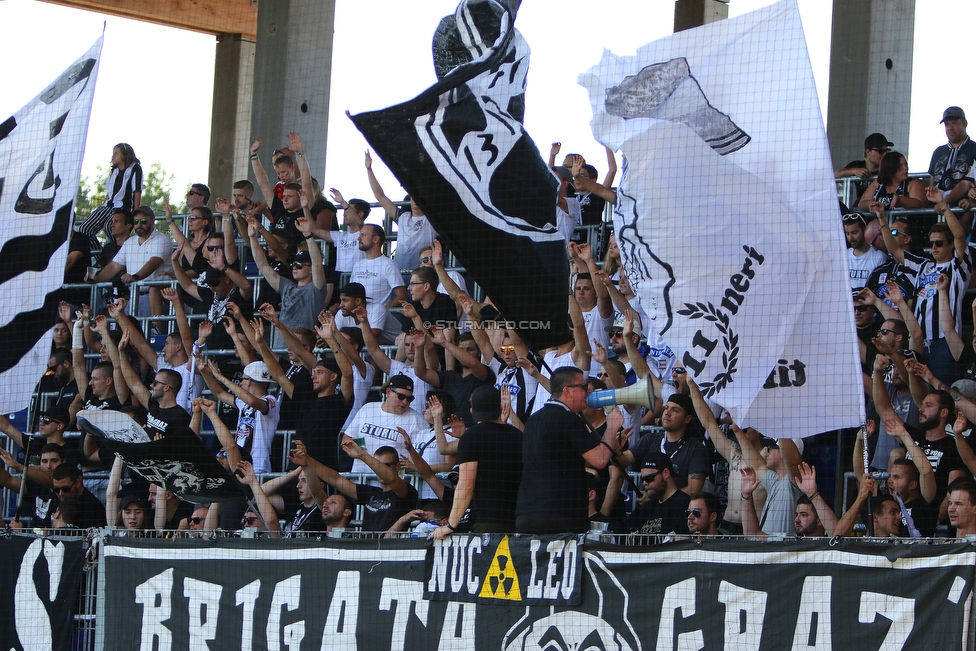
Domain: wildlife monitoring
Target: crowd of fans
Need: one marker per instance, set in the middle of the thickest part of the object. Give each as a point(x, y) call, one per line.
point(502, 438)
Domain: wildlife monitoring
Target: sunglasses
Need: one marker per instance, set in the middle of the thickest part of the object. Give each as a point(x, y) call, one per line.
point(194, 217)
point(506, 349)
point(155, 382)
point(862, 308)
point(249, 521)
point(880, 150)
point(199, 194)
point(695, 512)
point(214, 248)
point(425, 259)
point(62, 489)
point(895, 232)
point(44, 420)
point(853, 217)
point(647, 479)
point(195, 520)
point(885, 331)
point(140, 221)
point(402, 396)
point(299, 265)
point(937, 242)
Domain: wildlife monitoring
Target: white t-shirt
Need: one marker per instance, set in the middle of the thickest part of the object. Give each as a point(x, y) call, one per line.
point(347, 250)
point(596, 329)
point(379, 276)
point(258, 430)
point(566, 222)
point(861, 266)
point(360, 390)
point(379, 318)
point(133, 255)
point(192, 385)
point(379, 428)
point(414, 232)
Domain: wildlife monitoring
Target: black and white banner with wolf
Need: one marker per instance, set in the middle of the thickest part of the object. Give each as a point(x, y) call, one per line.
point(727, 217)
point(41, 150)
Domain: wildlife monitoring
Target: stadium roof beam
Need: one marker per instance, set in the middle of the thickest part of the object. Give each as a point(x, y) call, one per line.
point(208, 16)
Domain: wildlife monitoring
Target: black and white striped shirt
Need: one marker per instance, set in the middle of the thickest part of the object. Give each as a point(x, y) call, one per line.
point(122, 185)
point(926, 272)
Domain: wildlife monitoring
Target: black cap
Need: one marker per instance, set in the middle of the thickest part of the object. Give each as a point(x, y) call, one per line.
point(401, 381)
point(302, 256)
point(329, 362)
point(58, 413)
point(953, 113)
point(485, 404)
point(354, 290)
point(877, 141)
point(684, 402)
point(136, 499)
point(657, 461)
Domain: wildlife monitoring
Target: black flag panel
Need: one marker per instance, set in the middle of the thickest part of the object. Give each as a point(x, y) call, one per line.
point(462, 153)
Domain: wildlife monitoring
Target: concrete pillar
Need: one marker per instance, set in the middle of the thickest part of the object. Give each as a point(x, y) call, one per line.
point(695, 13)
point(230, 127)
point(292, 77)
point(870, 75)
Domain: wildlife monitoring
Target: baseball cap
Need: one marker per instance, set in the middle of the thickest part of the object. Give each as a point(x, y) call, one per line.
point(354, 290)
point(877, 141)
point(329, 362)
point(58, 413)
point(136, 499)
point(657, 461)
point(258, 372)
point(953, 113)
point(302, 256)
point(401, 381)
point(621, 320)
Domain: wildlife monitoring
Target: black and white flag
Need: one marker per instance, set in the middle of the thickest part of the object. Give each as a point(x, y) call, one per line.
point(727, 220)
point(41, 150)
point(180, 462)
point(460, 150)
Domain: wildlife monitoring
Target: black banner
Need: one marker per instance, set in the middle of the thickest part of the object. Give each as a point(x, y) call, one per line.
point(39, 580)
point(369, 594)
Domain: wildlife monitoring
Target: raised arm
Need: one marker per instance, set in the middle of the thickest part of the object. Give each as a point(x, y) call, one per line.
point(376, 353)
point(959, 240)
point(382, 471)
point(374, 185)
point(136, 339)
point(894, 249)
point(808, 484)
point(315, 471)
point(422, 467)
point(304, 226)
point(260, 257)
point(260, 498)
point(223, 434)
point(120, 360)
point(637, 360)
point(112, 492)
point(722, 443)
point(585, 184)
point(845, 525)
point(437, 259)
point(581, 341)
point(926, 475)
point(750, 519)
point(611, 169)
point(962, 445)
point(295, 142)
point(179, 312)
point(78, 353)
point(259, 174)
point(947, 320)
point(882, 402)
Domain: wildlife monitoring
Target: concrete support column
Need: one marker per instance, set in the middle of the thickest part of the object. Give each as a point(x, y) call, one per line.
point(292, 77)
point(870, 75)
point(230, 127)
point(695, 13)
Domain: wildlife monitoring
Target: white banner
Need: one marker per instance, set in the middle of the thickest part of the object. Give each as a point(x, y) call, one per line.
point(727, 217)
point(41, 151)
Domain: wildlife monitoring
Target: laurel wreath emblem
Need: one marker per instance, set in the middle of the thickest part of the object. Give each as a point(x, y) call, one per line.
point(730, 341)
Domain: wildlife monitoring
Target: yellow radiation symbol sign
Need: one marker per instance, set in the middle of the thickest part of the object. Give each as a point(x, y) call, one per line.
point(501, 582)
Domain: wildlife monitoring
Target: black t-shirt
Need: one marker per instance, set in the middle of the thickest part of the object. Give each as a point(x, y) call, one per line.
point(161, 421)
point(943, 455)
point(461, 387)
point(656, 517)
point(592, 208)
point(320, 427)
point(40, 504)
point(292, 406)
point(184, 510)
point(381, 509)
point(688, 454)
point(92, 511)
point(924, 514)
point(91, 402)
point(860, 185)
point(497, 449)
point(306, 518)
point(443, 310)
point(554, 477)
point(283, 227)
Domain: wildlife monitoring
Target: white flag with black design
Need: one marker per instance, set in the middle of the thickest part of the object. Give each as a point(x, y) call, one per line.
point(41, 150)
point(727, 217)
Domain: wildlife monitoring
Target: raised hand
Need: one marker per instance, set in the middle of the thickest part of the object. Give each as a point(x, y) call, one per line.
point(407, 443)
point(299, 455)
point(267, 311)
point(599, 352)
point(437, 254)
point(352, 448)
point(255, 145)
point(808, 479)
point(295, 141)
point(205, 329)
point(749, 482)
point(408, 309)
point(218, 261)
point(506, 403)
point(64, 311)
point(222, 206)
point(554, 149)
point(169, 294)
point(362, 318)
point(369, 161)
point(337, 197)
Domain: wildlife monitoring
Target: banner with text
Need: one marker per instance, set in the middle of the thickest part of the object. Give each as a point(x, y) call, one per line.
point(368, 594)
point(39, 581)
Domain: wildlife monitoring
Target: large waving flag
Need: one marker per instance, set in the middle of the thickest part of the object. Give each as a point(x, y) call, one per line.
point(41, 150)
point(727, 217)
point(460, 150)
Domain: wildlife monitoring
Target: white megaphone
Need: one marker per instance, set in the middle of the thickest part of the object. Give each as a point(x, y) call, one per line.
point(642, 393)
